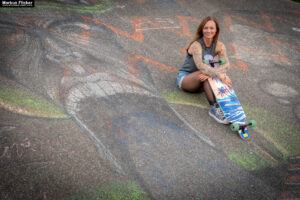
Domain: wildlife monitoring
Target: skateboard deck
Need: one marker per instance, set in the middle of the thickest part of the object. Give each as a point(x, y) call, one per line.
point(228, 101)
point(230, 105)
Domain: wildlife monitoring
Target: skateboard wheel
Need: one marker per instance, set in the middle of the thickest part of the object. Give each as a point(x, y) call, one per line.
point(206, 62)
point(252, 123)
point(234, 127)
point(222, 61)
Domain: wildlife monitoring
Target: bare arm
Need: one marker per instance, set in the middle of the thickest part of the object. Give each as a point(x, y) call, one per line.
point(196, 50)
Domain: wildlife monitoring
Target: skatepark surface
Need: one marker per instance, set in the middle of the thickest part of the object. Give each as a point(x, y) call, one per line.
point(89, 107)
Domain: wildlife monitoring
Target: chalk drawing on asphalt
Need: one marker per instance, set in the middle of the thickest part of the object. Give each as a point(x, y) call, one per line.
point(78, 94)
point(82, 6)
point(27, 103)
point(6, 128)
point(10, 149)
point(296, 29)
point(100, 85)
point(283, 93)
point(165, 22)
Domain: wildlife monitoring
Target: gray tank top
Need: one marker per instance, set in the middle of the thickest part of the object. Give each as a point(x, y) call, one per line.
point(189, 64)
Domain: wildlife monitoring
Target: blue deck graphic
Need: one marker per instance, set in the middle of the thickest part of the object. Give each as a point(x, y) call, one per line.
point(229, 103)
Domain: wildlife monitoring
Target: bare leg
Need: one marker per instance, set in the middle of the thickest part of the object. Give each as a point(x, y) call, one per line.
point(209, 93)
point(191, 83)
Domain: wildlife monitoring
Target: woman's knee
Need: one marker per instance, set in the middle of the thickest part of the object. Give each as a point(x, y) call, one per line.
point(191, 86)
point(191, 83)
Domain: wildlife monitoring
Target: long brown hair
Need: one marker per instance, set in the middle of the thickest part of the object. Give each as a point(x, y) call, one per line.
point(199, 33)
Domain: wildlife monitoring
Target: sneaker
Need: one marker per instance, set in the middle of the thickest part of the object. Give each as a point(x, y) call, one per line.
point(221, 113)
point(217, 114)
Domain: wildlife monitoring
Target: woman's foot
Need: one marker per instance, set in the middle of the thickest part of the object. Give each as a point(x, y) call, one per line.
point(216, 112)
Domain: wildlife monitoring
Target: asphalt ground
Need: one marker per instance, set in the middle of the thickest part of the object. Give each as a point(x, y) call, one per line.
point(90, 108)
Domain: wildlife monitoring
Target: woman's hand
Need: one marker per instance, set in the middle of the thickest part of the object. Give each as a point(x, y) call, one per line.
point(202, 77)
point(225, 79)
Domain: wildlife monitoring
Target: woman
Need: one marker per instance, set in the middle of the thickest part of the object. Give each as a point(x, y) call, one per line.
point(193, 74)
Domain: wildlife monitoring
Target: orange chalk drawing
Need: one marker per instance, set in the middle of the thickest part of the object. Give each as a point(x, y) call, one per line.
point(137, 22)
point(84, 36)
point(137, 35)
point(283, 20)
point(288, 194)
point(266, 18)
point(132, 58)
point(184, 21)
point(268, 26)
point(66, 73)
point(283, 44)
point(183, 52)
point(278, 53)
point(228, 23)
point(239, 64)
point(297, 14)
point(292, 179)
point(276, 46)
point(280, 57)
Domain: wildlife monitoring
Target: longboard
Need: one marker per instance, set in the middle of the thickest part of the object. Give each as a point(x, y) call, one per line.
point(229, 103)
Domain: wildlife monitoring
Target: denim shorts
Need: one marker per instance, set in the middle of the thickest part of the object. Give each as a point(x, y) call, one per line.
point(180, 76)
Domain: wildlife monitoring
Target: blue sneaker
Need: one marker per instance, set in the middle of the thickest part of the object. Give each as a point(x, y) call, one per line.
point(216, 112)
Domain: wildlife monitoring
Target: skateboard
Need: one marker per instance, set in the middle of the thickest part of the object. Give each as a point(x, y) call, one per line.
point(229, 103)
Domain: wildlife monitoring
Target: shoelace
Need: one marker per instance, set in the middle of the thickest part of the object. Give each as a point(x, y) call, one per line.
point(220, 113)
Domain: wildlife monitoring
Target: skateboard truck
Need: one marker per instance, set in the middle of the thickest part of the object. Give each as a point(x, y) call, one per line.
point(242, 128)
point(212, 63)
